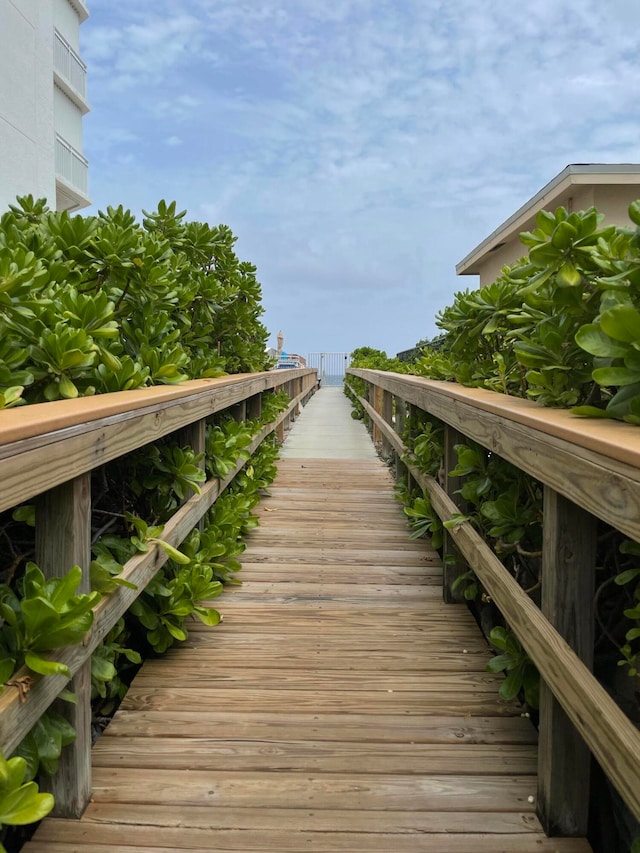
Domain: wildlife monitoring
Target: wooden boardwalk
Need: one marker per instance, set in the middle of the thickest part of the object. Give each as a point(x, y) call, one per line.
point(341, 706)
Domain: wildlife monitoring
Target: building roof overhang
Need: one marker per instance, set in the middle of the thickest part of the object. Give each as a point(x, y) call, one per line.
point(574, 174)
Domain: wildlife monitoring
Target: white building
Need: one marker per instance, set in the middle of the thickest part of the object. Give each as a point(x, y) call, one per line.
point(42, 102)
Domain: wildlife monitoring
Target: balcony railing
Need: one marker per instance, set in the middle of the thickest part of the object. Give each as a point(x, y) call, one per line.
point(68, 65)
point(71, 166)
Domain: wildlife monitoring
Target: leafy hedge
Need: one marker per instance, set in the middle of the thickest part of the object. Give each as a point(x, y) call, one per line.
point(104, 303)
point(561, 327)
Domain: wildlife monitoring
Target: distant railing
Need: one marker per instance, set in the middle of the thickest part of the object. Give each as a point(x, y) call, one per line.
point(69, 65)
point(589, 470)
point(331, 366)
point(71, 166)
point(47, 451)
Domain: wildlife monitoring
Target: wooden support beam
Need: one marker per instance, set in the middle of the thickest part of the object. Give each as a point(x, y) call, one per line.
point(386, 410)
point(254, 406)
point(453, 562)
point(399, 428)
point(568, 585)
point(63, 540)
point(194, 436)
point(239, 412)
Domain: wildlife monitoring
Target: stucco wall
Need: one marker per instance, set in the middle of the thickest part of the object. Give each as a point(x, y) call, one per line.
point(611, 200)
point(67, 119)
point(26, 102)
point(614, 202)
point(65, 20)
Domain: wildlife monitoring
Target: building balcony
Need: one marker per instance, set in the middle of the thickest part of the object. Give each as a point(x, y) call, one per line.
point(81, 9)
point(72, 171)
point(70, 72)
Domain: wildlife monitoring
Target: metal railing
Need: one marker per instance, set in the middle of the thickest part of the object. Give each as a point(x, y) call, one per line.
point(331, 366)
point(71, 166)
point(68, 64)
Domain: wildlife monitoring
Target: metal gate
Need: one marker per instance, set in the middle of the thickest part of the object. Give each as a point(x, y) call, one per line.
point(331, 366)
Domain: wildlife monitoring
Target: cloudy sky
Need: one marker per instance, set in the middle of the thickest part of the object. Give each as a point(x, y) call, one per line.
point(357, 148)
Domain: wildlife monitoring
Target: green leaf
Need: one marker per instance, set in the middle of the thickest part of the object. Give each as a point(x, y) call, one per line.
point(616, 376)
point(67, 388)
point(26, 805)
point(634, 216)
point(45, 667)
point(173, 553)
point(569, 275)
point(207, 615)
point(590, 412)
point(512, 684)
point(622, 322)
point(593, 340)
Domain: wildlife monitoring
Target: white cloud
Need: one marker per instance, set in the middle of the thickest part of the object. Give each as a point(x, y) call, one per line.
point(356, 146)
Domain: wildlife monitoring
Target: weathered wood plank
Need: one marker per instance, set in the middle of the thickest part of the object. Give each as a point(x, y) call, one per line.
point(340, 705)
point(228, 789)
point(398, 822)
point(262, 725)
point(332, 701)
point(568, 585)
point(63, 540)
point(185, 753)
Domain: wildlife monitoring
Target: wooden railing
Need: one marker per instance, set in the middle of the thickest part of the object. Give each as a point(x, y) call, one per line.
point(47, 452)
point(588, 468)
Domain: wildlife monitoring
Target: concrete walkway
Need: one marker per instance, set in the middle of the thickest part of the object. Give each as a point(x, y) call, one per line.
point(326, 430)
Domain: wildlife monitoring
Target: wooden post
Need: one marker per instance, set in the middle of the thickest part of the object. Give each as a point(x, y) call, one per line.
point(287, 420)
point(412, 486)
point(254, 406)
point(386, 410)
point(195, 436)
point(399, 426)
point(63, 540)
point(369, 396)
point(239, 412)
point(568, 581)
point(297, 390)
point(377, 405)
point(454, 564)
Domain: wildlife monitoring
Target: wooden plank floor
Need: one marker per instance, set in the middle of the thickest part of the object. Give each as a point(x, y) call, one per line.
point(340, 706)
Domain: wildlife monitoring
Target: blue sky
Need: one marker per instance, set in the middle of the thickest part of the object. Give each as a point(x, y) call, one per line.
point(358, 149)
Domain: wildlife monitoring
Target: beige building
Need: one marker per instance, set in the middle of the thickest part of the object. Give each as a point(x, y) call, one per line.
point(609, 188)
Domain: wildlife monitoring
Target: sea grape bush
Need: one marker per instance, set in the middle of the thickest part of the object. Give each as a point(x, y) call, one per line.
point(562, 326)
point(105, 303)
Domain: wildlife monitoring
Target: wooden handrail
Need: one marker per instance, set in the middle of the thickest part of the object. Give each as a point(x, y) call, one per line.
point(66, 442)
point(519, 434)
point(560, 450)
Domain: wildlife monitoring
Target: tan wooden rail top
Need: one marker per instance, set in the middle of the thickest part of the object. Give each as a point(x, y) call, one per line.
point(46, 444)
point(567, 453)
point(47, 451)
point(589, 470)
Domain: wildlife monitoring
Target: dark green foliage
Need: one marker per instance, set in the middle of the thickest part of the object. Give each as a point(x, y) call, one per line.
point(562, 326)
point(102, 303)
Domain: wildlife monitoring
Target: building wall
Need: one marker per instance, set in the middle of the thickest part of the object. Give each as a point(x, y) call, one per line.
point(32, 109)
point(26, 100)
point(610, 199)
point(614, 202)
point(67, 119)
point(65, 20)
